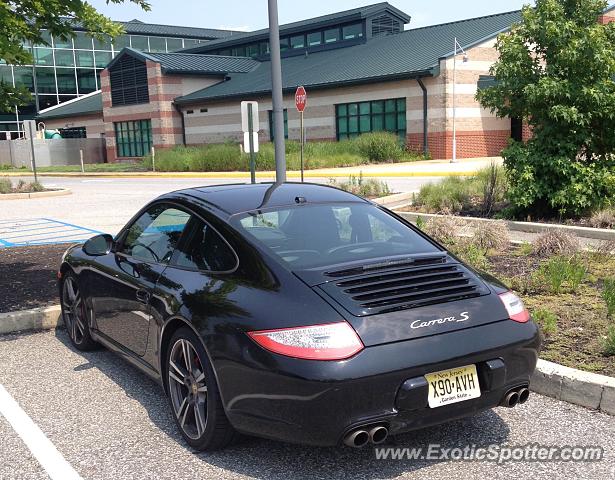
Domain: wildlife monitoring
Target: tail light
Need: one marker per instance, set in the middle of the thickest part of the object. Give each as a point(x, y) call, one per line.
point(515, 308)
point(334, 341)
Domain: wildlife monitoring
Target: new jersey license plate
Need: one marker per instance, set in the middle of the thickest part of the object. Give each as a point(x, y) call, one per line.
point(452, 386)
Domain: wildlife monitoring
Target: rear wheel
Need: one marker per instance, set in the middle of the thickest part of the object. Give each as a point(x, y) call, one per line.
point(75, 314)
point(193, 394)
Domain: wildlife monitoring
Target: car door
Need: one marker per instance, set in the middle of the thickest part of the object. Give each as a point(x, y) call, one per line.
point(122, 286)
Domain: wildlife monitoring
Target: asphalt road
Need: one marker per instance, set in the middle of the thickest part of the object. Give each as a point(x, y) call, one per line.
point(109, 421)
point(106, 204)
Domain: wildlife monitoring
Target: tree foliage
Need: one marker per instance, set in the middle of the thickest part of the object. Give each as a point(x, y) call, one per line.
point(556, 71)
point(23, 23)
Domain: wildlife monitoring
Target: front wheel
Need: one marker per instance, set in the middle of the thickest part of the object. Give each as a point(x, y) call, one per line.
point(193, 394)
point(75, 314)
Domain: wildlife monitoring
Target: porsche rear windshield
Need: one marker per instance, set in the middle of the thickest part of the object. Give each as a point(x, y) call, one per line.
point(310, 236)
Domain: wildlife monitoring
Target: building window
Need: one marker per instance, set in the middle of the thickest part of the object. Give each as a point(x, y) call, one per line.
point(353, 119)
point(332, 35)
point(128, 78)
point(73, 132)
point(297, 41)
point(133, 139)
point(314, 39)
point(271, 124)
point(350, 32)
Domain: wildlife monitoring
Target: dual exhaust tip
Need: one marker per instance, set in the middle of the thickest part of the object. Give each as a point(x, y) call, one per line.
point(516, 396)
point(362, 436)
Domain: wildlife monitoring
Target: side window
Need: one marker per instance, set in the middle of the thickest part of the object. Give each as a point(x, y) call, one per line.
point(155, 234)
point(205, 249)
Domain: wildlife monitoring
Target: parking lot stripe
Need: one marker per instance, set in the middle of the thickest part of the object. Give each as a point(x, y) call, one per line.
point(41, 447)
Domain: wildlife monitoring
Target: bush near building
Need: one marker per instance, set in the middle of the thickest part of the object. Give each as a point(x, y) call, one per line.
point(378, 147)
point(555, 72)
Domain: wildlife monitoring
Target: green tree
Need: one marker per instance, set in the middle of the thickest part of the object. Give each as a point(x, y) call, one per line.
point(556, 71)
point(23, 23)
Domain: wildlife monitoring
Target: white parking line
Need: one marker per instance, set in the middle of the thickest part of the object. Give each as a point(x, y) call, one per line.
point(41, 447)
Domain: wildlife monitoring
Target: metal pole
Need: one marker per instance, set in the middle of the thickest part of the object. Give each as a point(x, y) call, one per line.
point(31, 133)
point(302, 144)
point(81, 160)
point(276, 93)
point(251, 143)
point(153, 159)
point(17, 117)
point(35, 84)
point(454, 105)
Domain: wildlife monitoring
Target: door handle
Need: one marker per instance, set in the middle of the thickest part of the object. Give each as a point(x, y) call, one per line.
point(143, 296)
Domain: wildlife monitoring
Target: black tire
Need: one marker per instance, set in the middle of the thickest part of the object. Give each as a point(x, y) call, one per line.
point(193, 394)
point(75, 314)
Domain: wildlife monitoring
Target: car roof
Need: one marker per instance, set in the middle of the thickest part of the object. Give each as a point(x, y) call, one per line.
point(236, 198)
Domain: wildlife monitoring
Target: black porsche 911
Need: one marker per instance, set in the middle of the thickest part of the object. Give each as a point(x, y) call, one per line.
point(297, 312)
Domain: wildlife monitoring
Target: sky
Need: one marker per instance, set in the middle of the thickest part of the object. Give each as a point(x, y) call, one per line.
point(252, 14)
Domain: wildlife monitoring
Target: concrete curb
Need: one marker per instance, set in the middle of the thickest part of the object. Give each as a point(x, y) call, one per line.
point(52, 193)
point(394, 201)
point(45, 318)
point(570, 385)
point(527, 227)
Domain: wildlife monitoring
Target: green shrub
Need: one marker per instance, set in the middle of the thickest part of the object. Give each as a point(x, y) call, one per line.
point(36, 187)
point(5, 166)
point(420, 223)
point(5, 185)
point(609, 341)
point(608, 294)
point(547, 320)
point(526, 249)
point(370, 187)
point(443, 229)
point(450, 195)
point(491, 184)
point(554, 272)
point(379, 147)
point(575, 273)
point(472, 254)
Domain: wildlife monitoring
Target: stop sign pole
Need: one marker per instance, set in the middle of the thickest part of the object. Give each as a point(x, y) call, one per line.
point(300, 103)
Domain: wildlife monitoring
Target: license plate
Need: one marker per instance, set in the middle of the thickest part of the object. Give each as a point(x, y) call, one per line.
point(452, 386)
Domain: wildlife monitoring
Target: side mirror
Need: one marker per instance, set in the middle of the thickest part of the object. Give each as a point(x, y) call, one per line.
point(99, 245)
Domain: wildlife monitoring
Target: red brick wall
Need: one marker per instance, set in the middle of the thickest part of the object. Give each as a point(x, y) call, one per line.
point(470, 144)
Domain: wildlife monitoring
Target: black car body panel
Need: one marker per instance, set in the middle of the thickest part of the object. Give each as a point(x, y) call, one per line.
point(448, 316)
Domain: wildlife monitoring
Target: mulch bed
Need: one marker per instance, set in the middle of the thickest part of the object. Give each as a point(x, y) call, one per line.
point(28, 277)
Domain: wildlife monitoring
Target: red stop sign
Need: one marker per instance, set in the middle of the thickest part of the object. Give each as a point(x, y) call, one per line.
point(300, 99)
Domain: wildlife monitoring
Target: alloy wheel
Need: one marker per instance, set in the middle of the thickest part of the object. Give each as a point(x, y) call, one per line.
point(187, 388)
point(74, 310)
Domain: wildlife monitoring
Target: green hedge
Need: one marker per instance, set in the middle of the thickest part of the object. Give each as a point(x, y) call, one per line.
point(227, 157)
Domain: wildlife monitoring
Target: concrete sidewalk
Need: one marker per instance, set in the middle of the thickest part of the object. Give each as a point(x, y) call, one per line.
point(423, 168)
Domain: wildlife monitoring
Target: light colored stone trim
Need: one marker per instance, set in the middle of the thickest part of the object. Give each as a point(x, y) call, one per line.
point(570, 385)
point(23, 196)
point(36, 319)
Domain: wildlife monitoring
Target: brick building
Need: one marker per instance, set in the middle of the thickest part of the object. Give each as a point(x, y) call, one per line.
point(363, 71)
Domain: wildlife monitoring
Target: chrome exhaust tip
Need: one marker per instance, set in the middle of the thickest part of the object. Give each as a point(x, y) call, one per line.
point(511, 399)
point(524, 395)
point(357, 438)
point(378, 434)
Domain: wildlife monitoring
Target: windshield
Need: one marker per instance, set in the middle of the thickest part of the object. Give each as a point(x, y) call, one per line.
point(309, 236)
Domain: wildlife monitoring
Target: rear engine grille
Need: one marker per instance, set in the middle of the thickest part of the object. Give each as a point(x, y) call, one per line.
point(404, 288)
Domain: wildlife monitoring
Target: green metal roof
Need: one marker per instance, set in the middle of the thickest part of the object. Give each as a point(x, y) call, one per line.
point(87, 105)
point(409, 54)
point(354, 14)
point(195, 64)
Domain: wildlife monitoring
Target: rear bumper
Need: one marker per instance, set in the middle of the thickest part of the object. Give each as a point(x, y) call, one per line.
point(317, 403)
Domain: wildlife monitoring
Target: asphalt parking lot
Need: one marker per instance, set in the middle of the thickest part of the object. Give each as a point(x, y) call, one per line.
point(106, 204)
point(109, 421)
